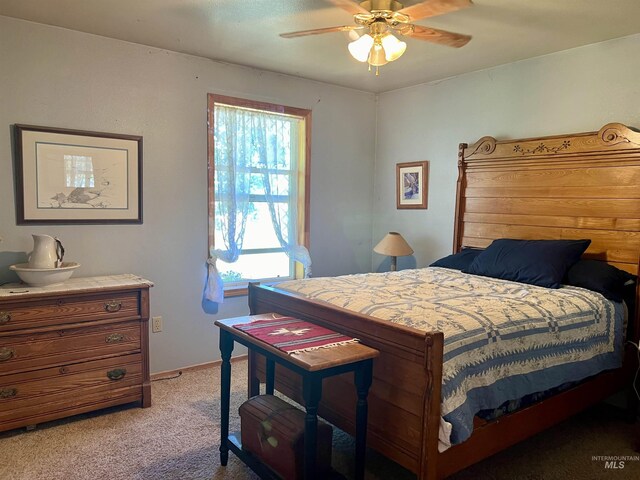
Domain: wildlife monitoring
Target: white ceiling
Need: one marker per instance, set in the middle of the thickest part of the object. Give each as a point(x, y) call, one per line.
point(246, 32)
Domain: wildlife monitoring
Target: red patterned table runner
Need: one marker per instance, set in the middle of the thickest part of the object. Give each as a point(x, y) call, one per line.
point(293, 335)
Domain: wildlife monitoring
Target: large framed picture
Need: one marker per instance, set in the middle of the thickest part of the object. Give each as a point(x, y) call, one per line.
point(76, 177)
point(411, 184)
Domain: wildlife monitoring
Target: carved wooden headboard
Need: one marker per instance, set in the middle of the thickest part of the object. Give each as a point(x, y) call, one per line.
point(585, 185)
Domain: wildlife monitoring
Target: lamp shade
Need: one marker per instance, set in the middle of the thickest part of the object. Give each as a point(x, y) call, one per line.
point(394, 245)
point(360, 48)
point(377, 56)
point(393, 48)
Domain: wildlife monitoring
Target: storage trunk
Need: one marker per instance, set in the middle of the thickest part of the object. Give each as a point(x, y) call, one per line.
point(273, 431)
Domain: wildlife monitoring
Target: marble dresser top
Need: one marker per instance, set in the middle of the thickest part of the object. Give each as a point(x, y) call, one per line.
point(76, 285)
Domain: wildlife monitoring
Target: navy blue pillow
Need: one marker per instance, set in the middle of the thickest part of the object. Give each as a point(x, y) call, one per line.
point(458, 261)
point(536, 262)
point(600, 277)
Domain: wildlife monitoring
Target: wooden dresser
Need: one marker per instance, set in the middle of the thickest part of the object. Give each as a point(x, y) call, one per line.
point(73, 348)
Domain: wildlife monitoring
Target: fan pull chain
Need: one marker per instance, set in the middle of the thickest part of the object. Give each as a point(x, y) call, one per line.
point(377, 70)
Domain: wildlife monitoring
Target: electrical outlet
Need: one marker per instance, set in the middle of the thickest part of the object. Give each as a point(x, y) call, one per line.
point(156, 324)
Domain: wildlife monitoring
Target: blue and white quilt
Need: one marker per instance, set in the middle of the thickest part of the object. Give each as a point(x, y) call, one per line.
point(502, 340)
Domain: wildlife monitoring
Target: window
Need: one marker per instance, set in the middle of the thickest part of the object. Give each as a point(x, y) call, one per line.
point(258, 192)
point(78, 171)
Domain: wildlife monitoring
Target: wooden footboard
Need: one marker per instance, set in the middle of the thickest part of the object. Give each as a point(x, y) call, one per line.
point(404, 401)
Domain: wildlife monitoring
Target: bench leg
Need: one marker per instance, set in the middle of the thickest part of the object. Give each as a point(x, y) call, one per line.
point(252, 377)
point(270, 374)
point(312, 392)
point(226, 347)
point(363, 378)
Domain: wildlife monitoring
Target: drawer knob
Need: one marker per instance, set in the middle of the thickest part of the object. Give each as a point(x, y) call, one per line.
point(117, 373)
point(8, 392)
point(114, 338)
point(6, 354)
point(113, 306)
point(4, 318)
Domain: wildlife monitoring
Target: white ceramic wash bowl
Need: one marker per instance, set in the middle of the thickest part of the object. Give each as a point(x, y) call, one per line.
point(40, 277)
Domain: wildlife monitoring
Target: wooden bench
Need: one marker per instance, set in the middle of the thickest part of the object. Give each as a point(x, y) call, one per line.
point(313, 367)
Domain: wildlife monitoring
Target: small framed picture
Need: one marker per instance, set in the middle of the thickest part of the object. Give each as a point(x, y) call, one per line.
point(77, 177)
point(411, 184)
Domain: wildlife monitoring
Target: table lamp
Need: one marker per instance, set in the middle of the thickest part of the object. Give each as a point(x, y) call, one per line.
point(395, 246)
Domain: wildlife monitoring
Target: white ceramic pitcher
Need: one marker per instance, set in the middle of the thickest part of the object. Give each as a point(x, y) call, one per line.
point(47, 252)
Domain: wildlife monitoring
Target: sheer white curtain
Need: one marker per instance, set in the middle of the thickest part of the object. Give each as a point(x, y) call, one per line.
point(276, 141)
point(246, 141)
point(233, 152)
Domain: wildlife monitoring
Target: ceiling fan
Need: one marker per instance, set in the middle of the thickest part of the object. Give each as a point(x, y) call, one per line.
point(380, 19)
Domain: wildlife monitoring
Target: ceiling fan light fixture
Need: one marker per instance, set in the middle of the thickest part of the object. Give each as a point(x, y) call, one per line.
point(360, 48)
point(393, 48)
point(379, 20)
point(377, 56)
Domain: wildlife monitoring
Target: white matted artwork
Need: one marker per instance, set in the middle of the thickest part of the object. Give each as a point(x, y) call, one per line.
point(411, 184)
point(70, 176)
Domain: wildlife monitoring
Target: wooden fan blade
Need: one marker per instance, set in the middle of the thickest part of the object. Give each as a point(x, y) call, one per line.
point(431, 8)
point(350, 6)
point(441, 37)
point(319, 31)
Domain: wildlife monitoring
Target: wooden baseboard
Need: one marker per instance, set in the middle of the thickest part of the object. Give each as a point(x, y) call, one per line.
point(193, 368)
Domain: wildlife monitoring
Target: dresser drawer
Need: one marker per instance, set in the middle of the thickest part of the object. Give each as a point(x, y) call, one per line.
point(25, 394)
point(55, 311)
point(60, 405)
point(67, 345)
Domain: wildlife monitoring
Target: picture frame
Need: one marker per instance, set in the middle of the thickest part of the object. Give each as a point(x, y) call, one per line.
point(412, 180)
point(65, 176)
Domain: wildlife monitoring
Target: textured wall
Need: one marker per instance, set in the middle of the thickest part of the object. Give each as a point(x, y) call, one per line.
point(567, 92)
point(61, 78)
point(56, 77)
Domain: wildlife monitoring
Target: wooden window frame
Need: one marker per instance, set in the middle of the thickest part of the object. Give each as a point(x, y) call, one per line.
point(303, 178)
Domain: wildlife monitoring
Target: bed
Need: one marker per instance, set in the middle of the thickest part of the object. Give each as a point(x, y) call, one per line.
point(561, 187)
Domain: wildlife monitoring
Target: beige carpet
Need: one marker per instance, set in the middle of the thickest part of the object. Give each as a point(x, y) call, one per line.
point(178, 438)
